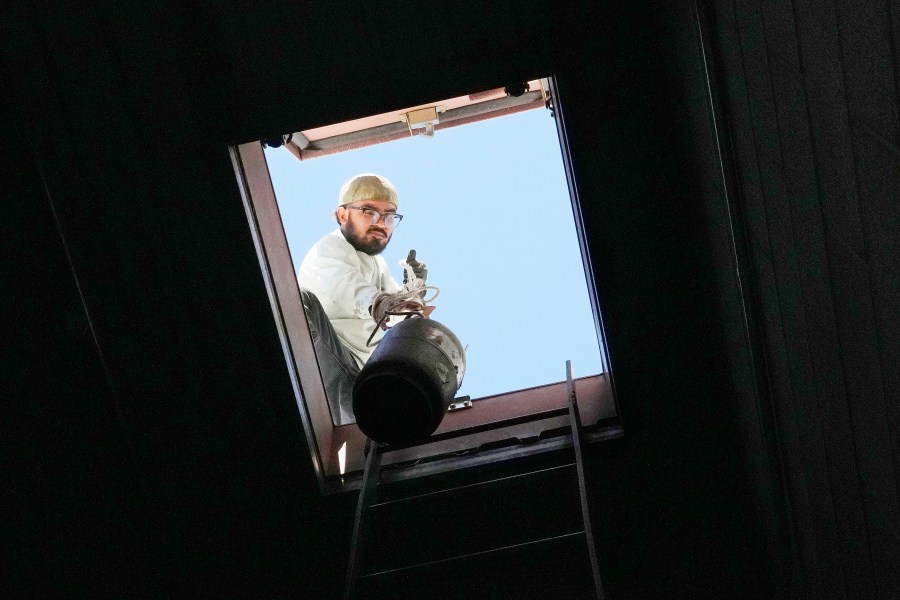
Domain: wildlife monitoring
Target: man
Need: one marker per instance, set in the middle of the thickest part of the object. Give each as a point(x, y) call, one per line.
point(347, 288)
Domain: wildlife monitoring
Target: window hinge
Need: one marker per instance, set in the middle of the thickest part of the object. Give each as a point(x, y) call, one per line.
point(460, 403)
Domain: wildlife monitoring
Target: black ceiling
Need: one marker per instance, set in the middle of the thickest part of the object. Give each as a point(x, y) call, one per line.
point(737, 168)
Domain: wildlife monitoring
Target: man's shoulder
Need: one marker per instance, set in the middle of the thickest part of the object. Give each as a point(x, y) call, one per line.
point(332, 243)
point(335, 238)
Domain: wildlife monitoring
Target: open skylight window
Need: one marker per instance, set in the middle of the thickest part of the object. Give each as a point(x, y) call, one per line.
point(487, 206)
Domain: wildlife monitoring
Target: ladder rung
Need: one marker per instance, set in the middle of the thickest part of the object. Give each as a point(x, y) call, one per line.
point(471, 485)
point(483, 553)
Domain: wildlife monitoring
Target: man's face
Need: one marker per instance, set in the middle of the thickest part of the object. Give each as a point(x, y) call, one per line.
point(359, 230)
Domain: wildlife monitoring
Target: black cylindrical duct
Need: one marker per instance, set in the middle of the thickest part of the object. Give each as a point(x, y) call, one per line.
point(404, 389)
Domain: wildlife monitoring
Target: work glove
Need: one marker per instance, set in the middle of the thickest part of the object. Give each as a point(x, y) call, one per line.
point(399, 302)
point(419, 268)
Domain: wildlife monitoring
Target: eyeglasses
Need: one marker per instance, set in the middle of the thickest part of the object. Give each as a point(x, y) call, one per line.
point(391, 220)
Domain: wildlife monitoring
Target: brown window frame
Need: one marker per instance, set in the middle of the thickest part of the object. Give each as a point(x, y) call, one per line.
point(327, 442)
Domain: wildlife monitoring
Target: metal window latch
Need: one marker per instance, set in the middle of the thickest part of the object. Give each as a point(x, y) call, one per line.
point(426, 118)
point(460, 403)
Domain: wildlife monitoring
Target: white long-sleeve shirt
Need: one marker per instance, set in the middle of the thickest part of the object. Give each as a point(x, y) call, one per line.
point(346, 281)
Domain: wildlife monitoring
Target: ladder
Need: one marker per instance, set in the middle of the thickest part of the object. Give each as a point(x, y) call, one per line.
point(368, 498)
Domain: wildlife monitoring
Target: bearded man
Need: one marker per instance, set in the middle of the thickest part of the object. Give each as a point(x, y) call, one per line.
point(346, 286)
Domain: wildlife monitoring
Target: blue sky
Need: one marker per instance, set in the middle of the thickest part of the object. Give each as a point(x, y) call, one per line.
point(486, 206)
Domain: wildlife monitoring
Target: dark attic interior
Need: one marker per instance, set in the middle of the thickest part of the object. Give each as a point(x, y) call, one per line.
point(736, 170)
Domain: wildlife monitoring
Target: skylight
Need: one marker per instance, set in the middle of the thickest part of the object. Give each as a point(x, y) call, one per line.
point(487, 207)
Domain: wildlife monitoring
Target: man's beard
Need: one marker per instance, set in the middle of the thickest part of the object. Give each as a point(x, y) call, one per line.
point(372, 248)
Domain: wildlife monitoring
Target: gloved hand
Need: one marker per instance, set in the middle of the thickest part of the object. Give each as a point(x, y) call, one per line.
point(419, 268)
point(399, 302)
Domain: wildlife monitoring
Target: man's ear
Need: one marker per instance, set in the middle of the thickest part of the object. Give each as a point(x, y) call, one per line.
point(341, 214)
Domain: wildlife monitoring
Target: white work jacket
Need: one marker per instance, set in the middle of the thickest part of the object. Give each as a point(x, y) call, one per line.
point(346, 281)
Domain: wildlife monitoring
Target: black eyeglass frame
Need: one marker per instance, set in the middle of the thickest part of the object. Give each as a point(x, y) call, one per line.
point(395, 218)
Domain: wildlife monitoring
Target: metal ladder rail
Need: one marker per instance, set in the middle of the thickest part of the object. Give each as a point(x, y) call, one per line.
point(577, 444)
point(371, 475)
